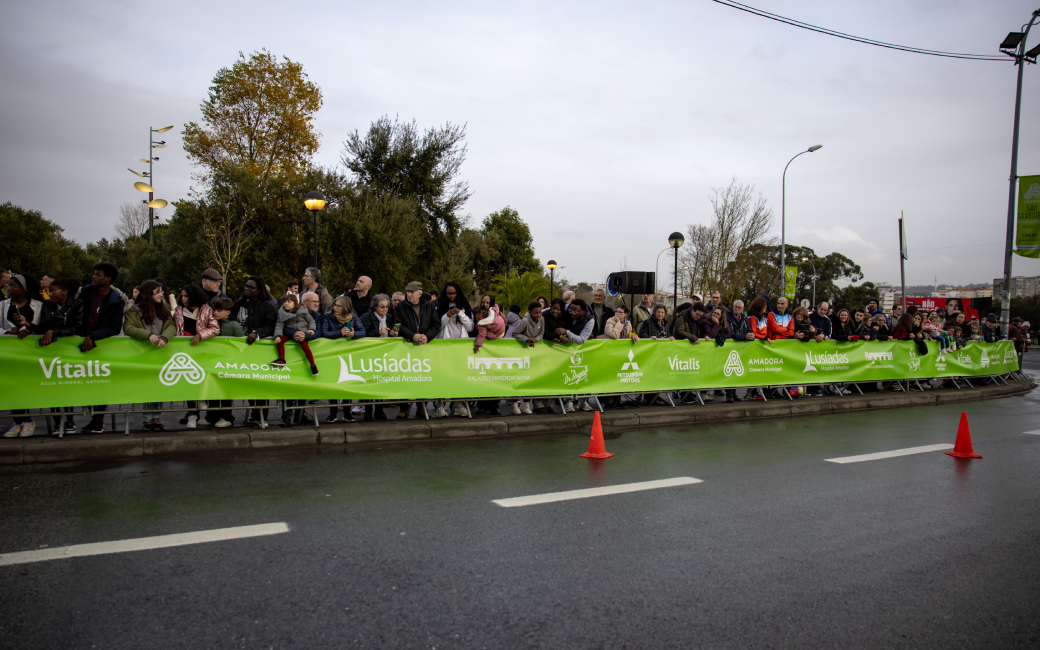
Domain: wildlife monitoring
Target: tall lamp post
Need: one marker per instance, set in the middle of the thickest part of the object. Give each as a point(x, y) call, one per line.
point(153, 203)
point(551, 265)
point(315, 201)
point(783, 215)
point(806, 259)
point(675, 240)
point(1014, 45)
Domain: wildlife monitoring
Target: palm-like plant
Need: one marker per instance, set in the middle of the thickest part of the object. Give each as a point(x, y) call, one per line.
point(519, 290)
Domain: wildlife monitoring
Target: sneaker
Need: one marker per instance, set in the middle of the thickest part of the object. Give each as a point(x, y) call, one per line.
point(440, 413)
point(184, 420)
point(70, 427)
point(526, 409)
point(357, 410)
point(586, 406)
point(193, 421)
point(516, 409)
point(278, 363)
point(27, 429)
point(13, 431)
point(402, 414)
point(568, 407)
point(94, 427)
point(460, 410)
point(157, 425)
point(222, 424)
point(332, 418)
point(314, 371)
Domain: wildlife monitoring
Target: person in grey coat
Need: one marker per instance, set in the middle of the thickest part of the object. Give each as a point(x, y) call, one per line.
point(529, 331)
point(290, 316)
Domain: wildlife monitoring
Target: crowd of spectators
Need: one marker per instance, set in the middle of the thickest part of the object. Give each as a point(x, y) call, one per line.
point(54, 307)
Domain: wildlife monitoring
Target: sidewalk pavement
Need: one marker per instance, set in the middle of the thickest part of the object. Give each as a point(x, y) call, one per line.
point(108, 446)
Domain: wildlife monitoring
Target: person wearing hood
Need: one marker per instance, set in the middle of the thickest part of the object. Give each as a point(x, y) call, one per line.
point(24, 307)
point(512, 320)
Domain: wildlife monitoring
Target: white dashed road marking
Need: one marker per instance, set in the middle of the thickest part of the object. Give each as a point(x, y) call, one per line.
point(890, 454)
point(143, 543)
point(595, 492)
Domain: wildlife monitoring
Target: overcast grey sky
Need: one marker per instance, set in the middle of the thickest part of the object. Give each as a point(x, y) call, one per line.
point(604, 123)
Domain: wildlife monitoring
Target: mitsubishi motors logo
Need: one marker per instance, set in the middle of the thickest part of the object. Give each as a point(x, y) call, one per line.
point(631, 365)
point(733, 365)
point(181, 365)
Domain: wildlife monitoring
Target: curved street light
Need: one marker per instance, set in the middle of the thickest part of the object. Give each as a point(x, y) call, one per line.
point(315, 202)
point(783, 215)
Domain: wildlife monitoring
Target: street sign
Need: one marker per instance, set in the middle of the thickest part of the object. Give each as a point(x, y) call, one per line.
point(805, 303)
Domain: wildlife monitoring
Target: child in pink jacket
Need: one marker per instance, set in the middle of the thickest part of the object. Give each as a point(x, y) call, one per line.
point(489, 325)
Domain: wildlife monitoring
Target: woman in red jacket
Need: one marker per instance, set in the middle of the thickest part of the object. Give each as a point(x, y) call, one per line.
point(758, 316)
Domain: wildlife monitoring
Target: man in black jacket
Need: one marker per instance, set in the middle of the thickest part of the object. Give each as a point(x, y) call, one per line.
point(418, 319)
point(102, 318)
point(257, 312)
point(361, 295)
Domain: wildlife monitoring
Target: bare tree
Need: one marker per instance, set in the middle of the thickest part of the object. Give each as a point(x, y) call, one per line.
point(740, 220)
point(226, 238)
point(133, 220)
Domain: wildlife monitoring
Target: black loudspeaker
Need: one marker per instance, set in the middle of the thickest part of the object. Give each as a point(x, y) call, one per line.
point(631, 282)
point(983, 305)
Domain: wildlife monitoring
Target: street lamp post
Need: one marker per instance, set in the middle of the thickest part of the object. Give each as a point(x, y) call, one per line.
point(1014, 45)
point(806, 259)
point(783, 215)
point(315, 201)
point(551, 265)
point(675, 240)
point(152, 202)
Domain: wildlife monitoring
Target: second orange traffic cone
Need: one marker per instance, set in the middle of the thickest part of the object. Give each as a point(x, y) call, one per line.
point(962, 447)
point(597, 448)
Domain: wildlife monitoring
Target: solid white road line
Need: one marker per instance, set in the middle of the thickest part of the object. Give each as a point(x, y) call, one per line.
point(143, 543)
point(890, 454)
point(1034, 433)
point(595, 492)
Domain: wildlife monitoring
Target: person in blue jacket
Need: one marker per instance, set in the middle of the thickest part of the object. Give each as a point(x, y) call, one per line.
point(102, 318)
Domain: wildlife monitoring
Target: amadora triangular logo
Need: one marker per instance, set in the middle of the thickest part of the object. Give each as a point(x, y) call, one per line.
point(1033, 192)
point(984, 360)
point(733, 365)
point(181, 365)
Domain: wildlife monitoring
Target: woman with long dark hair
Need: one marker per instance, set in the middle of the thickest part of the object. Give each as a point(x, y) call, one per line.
point(19, 313)
point(150, 320)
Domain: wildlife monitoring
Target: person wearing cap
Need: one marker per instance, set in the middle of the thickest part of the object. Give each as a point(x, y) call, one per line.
point(210, 282)
point(990, 331)
point(418, 318)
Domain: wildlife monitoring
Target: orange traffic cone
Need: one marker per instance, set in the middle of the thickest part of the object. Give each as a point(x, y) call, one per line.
point(597, 448)
point(962, 447)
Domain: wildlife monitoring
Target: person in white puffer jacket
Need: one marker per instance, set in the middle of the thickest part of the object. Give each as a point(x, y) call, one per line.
point(456, 323)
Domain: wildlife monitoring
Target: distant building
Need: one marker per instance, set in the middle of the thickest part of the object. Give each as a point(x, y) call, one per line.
point(1021, 286)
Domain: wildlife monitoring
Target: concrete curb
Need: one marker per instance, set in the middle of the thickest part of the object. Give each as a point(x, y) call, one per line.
point(109, 446)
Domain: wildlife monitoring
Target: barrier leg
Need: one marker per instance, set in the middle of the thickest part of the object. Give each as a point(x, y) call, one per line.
point(126, 421)
point(787, 393)
point(698, 394)
point(968, 383)
point(469, 413)
point(314, 414)
point(762, 394)
point(599, 405)
point(667, 396)
point(562, 406)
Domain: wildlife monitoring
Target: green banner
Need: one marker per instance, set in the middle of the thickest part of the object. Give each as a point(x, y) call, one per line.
point(790, 281)
point(1027, 231)
point(123, 370)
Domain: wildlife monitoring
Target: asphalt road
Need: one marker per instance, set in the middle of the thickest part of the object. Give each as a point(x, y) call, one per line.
point(402, 546)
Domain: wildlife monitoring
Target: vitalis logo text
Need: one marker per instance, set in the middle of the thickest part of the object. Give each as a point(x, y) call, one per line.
point(68, 371)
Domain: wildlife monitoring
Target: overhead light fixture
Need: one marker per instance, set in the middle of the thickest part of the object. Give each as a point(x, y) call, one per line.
point(676, 239)
point(164, 129)
point(815, 147)
point(314, 200)
point(1033, 53)
point(157, 204)
point(1012, 40)
point(160, 145)
point(136, 173)
point(141, 160)
point(143, 187)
